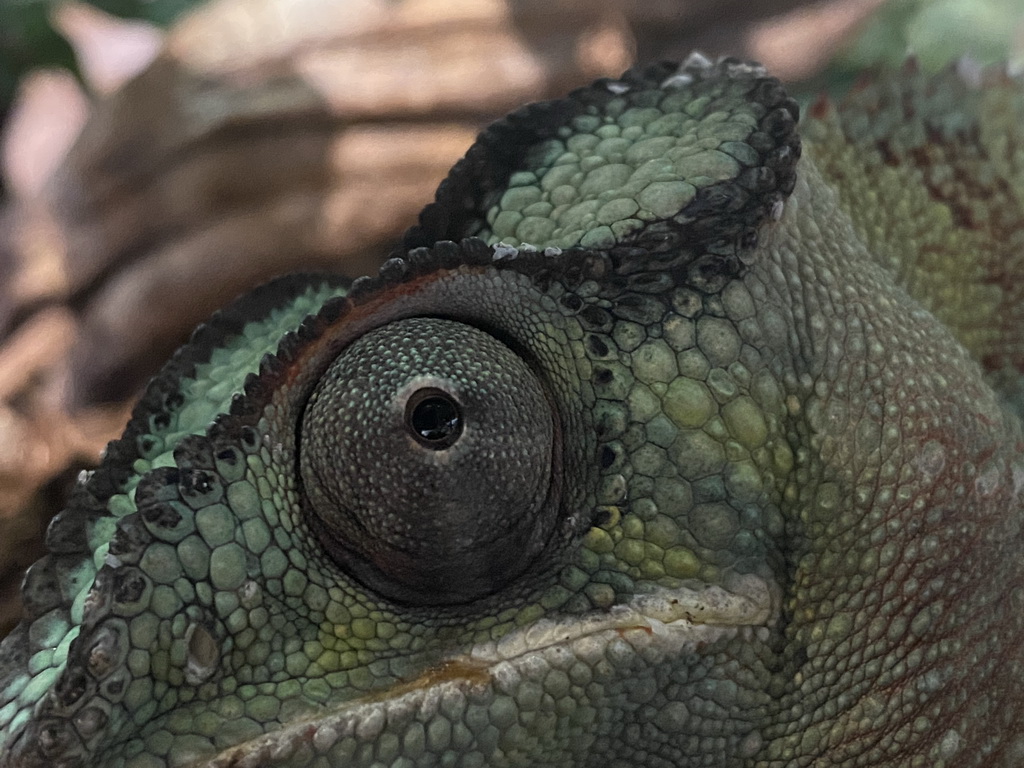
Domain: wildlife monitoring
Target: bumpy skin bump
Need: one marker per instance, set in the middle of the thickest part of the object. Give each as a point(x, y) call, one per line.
point(771, 514)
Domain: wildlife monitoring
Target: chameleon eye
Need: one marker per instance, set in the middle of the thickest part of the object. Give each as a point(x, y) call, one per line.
point(426, 462)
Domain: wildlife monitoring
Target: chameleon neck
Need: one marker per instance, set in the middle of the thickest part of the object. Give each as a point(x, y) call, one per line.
point(902, 509)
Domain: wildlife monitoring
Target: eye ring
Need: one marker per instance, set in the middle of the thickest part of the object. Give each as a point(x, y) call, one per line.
point(433, 418)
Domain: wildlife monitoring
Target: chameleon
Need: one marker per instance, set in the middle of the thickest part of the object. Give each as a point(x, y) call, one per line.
point(680, 431)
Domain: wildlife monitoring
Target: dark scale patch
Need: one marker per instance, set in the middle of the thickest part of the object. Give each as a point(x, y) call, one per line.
point(603, 376)
point(448, 254)
point(602, 516)
point(160, 516)
point(394, 270)
point(628, 260)
point(68, 532)
point(749, 239)
point(362, 286)
point(607, 456)
point(160, 421)
point(200, 488)
point(113, 689)
point(130, 585)
point(596, 319)
point(157, 488)
point(73, 686)
point(104, 650)
point(54, 738)
point(651, 282)
point(250, 439)
point(712, 272)
point(644, 310)
point(131, 539)
point(229, 463)
point(173, 401)
point(43, 588)
point(194, 451)
point(596, 346)
point(99, 599)
point(571, 302)
point(149, 446)
point(229, 456)
point(198, 482)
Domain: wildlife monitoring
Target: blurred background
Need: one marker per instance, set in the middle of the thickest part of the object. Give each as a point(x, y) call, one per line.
point(159, 157)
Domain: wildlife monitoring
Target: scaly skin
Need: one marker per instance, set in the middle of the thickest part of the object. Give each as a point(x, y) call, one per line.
point(723, 468)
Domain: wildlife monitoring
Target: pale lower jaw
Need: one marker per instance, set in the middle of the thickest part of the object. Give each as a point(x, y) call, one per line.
point(680, 612)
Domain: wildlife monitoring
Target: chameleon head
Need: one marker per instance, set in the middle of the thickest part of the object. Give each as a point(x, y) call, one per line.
point(576, 480)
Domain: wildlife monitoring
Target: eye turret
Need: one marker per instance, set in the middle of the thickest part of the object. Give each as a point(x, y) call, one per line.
point(426, 458)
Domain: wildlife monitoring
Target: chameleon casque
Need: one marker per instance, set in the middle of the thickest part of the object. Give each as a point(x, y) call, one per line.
point(677, 435)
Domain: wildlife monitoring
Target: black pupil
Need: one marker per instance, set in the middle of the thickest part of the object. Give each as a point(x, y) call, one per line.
point(436, 421)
